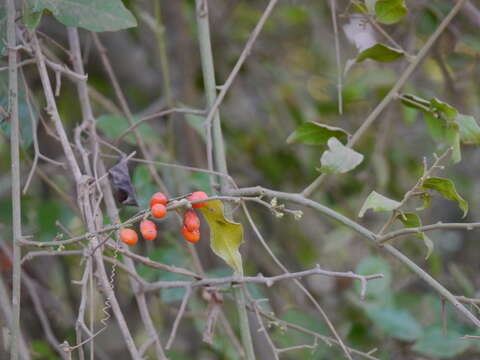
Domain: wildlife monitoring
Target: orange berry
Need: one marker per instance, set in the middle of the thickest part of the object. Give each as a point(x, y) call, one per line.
point(191, 220)
point(190, 236)
point(197, 195)
point(148, 230)
point(128, 236)
point(159, 211)
point(158, 198)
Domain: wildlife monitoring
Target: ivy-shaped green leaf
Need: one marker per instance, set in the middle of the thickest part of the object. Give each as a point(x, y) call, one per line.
point(339, 159)
point(93, 15)
point(225, 235)
point(411, 220)
point(313, 133)
point(390, 11)
point(446, 188)
point(381, 53)
point(377, 202)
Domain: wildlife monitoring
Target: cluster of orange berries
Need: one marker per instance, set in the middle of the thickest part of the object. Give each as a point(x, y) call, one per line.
point(158, 209)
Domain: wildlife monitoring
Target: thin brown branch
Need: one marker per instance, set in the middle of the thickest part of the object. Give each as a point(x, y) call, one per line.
point(259, 279)
point(392, 94)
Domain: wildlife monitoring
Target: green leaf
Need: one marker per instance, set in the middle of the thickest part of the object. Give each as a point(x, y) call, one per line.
point(425, 197)
point(197, 123)
point(469, 129)
point(397, 323)
point(41, 350)
point(380, 52)
point(3, 28)
point(29, 18)
point(370, 4)
point(446, 188)
point(225, 235)
point(411, 220)
point(114, 125)
point(168, 256)
point(441, 107)
point(444, 122)
point(143, 185)
point(433, 343)
point(93, 15)
point(390, 11)
point(415, 102)
point(376, 288)
point(313, 133)
point(452, 138)
point(25, 120)
point(377, 203)
point(339, 158)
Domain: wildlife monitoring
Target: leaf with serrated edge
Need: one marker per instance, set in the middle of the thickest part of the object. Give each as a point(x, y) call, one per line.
point(377, 202)
point(446, 188)
point(225, 235)
point(339, 158)
point(411, 220)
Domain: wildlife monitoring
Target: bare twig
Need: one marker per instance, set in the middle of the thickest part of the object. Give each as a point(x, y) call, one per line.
point(426, 174)
point(231, 77)
point(181, 311)
point(33, 254)
point(155, 116)
point(415, 230)
point(297, 283)
point(15, 174)
point(260, 279)
point(391, 95)
point(126, 109)
point(365, 233)
point(6, 309)
point(326, 339)
point(337, 56)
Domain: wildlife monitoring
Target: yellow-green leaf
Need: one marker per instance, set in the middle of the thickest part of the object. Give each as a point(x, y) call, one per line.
point(446, 188)
point(381, 53)
point(225, 235)
point(378, 202)
point(411, 220)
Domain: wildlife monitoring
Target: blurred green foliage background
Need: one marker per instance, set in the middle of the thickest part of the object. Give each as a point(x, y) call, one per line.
point(289, 78)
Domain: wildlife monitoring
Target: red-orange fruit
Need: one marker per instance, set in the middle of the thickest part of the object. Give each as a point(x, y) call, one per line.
point(128, 236)
point(148, 229)
point(158, 198)
point(197, 195)
point(191, 220)
point(159, 211)
point(190, 236)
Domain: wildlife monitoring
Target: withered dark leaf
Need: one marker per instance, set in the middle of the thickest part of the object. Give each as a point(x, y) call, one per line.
point(122, 184)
